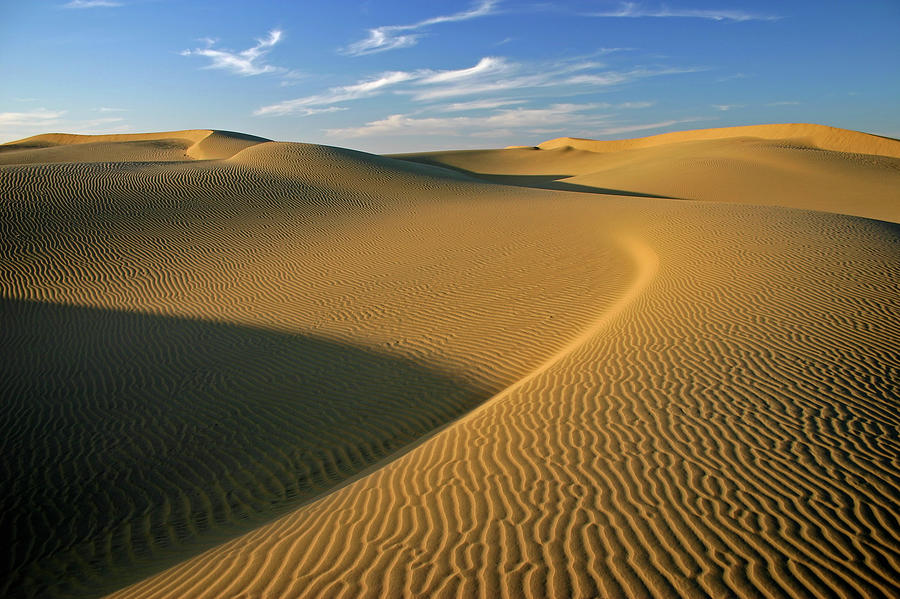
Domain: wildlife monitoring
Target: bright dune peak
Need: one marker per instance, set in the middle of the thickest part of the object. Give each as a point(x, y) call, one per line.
point(803, 134)
point(198, 144)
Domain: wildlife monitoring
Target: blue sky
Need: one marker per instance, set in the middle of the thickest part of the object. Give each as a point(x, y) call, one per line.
point(391, 76)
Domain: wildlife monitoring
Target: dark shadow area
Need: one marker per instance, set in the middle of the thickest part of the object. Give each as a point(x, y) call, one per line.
point(553, 182)
point(130, 442)
point(536, 181)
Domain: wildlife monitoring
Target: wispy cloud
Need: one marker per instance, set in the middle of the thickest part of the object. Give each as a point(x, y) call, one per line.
point(16, 125)
point(784, 103)
point(733, 77)
point(726, 107)
point(638, 10)
point(98, 126)
point(91, 4)
point(509, 119)
point(503, 122)
point(479, 105)
point(364, 89)
point(489, 65)
point(617, 130)
point(245, 62)
point(33, 118)
point(391, 37)
point(490, 76)
point(560, 77)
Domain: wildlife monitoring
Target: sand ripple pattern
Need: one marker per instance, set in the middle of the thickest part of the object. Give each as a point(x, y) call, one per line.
point(190, 349)
point(731, 430)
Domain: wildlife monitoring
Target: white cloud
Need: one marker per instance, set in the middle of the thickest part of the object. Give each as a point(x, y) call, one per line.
point(108, 109)
point(245, 62)
point(16, 125)
point(91, 4)
point(391, 37)
point(33, 118)
point(487, 65)
point(732, 77)
point(545, 76)
point(646, 127)
point(727, 107)
point(364, 89)
point(608, 78)
point(509, 120)
point(98, 126)
point(490, 75)
point(637, 10)
point(478, 105)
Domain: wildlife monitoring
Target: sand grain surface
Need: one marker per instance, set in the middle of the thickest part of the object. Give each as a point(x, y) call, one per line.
point(288, 370)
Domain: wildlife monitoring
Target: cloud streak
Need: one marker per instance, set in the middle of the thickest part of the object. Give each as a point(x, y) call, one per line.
point(489, 65)
point(391, 37)
point(33, 118)
point(16, 125)
point(518, 118)
point(503, 122)
point(364, 89)
point(92, 4)
point(490, 75)
point(635, 10)
point(245, 62)
point(618, 130)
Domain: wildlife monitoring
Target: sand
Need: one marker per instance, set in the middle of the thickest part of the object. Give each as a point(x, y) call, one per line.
point(287, 370)
point(799, 166)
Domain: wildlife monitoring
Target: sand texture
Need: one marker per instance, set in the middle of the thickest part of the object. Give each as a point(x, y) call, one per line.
point(259, 369)
point(798, 166)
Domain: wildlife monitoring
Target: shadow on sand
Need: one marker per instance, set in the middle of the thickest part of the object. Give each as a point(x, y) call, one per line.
point(536, 181)
point(132, 441)
point(553, 182)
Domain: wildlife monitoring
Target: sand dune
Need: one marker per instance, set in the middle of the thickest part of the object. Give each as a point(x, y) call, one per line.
point(303, 272)
point(799, 166)
point(303, 371)
point(804, 135)
point(198, 144)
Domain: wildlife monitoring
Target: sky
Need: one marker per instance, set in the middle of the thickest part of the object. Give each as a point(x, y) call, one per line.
point(395, 76)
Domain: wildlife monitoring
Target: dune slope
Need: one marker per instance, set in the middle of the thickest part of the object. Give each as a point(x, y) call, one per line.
point(725, 435)
point(196, 144)
point(799, 166)
point(227, 339)
point(303, 371)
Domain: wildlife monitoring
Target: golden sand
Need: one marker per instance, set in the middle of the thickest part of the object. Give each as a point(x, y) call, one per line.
point(240, 368)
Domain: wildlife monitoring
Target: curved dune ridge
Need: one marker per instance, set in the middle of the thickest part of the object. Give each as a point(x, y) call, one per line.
point(304, 371)
point(802, 134)
point(799, 166)
point(192, 347)
point(706, 437)
point(195, 144)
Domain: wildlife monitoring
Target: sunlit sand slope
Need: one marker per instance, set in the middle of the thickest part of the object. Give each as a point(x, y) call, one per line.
point(726, 427)
point(800, 166)
point(806, 135)
point(198, 144)
point(259, 369)
point(190, 349)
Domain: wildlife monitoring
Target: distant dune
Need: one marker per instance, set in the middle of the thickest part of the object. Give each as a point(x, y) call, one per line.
point(804, 135)
point(196, 144)
point(799, 166)
point(242, 368)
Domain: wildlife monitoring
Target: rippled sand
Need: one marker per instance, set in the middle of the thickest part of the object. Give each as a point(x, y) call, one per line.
point(235, 367)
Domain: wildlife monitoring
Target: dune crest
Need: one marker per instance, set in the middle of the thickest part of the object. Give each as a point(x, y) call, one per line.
point(797, 166)
point(194, 144)
point(241, 368)
point(803, 134)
